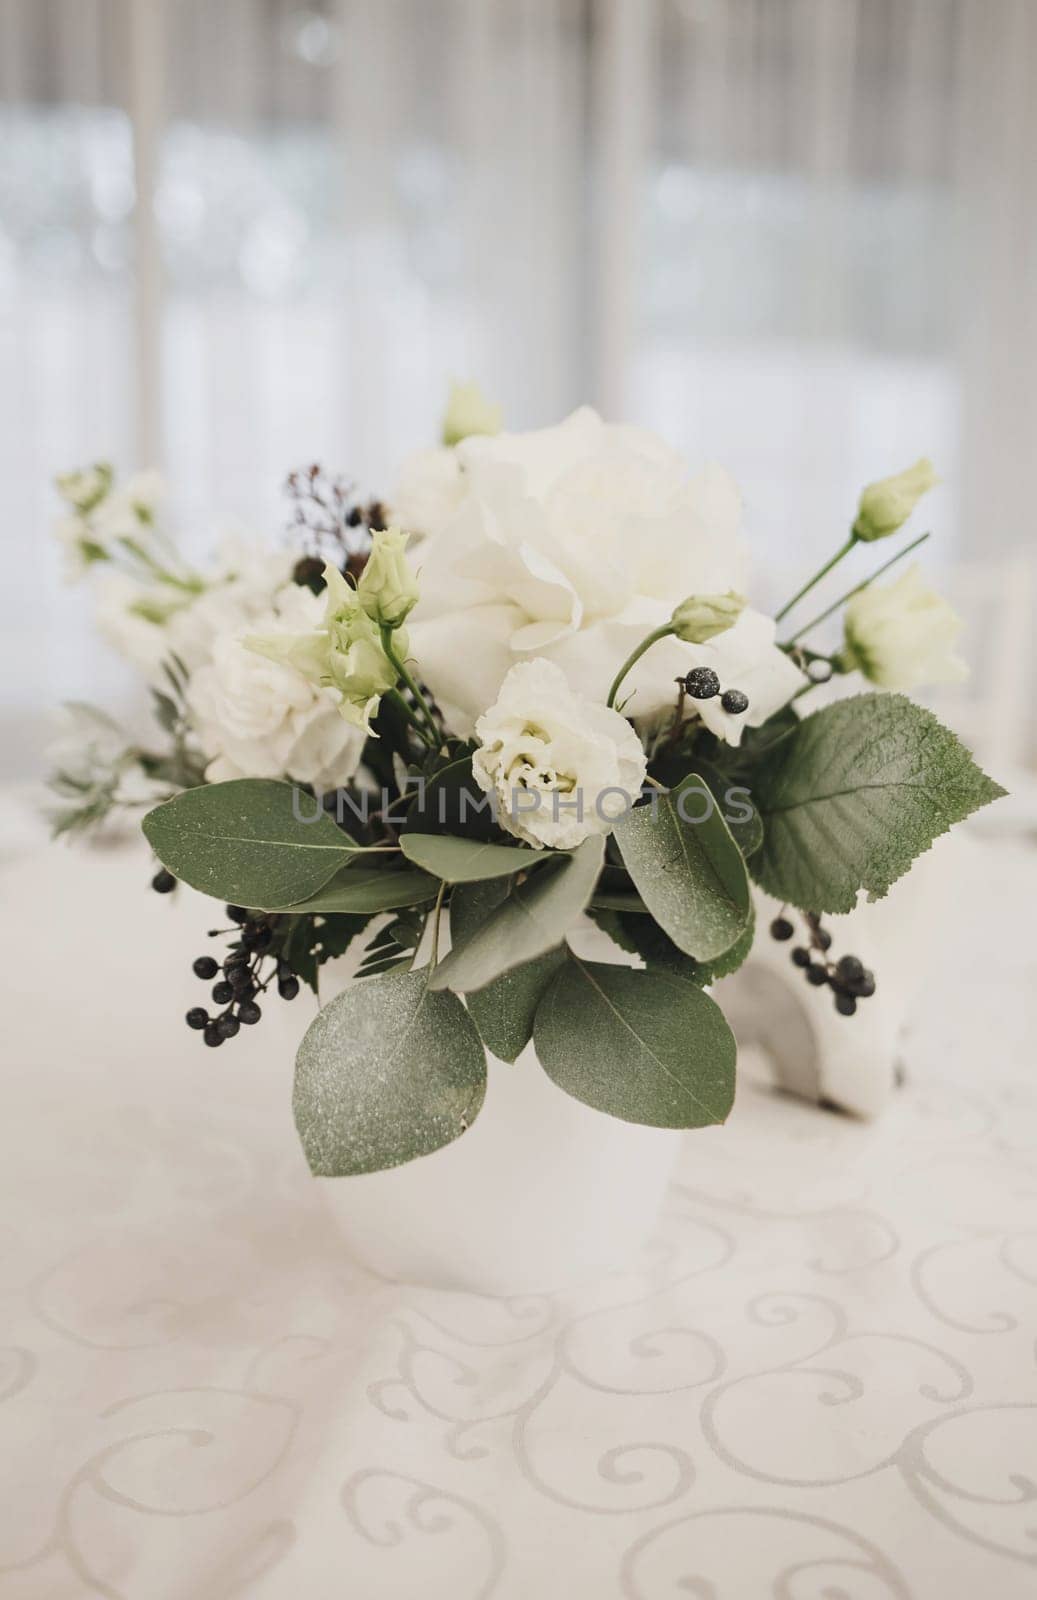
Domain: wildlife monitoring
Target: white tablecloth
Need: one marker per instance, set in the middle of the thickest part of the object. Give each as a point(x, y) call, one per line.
point(821, 1380)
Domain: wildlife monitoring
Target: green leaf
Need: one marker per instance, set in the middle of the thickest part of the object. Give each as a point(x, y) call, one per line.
point(736, 806)
point(505, 1009)
point(387, 1072)
point(531, 918)
point(645, 1046)
point(244, 842)
point(451, 802)
point(310, 942)
point(364, 890)
point(466, 860)
point(854, 794)
point(690, 874)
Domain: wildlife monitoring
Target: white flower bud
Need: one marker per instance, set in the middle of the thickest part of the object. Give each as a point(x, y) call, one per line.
point(702, 616)
point(886, 505)
point(388, 589)
point(468, 411)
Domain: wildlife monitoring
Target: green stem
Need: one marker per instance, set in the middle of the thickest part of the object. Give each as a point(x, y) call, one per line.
point(436, 915)
point(408, 679)
point(824, 615)
point(634, 657)
point(408, 711)
point(823, 573)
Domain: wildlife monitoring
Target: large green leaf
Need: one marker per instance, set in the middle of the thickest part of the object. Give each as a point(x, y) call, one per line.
point(689, 872)
point(504, 1009)
point(649, 1047)
point(854, 794)
point(466, 860)
point(387, 1072)
point(450, 801)
point(250, 841)
point(364, 890)
point(531, 918)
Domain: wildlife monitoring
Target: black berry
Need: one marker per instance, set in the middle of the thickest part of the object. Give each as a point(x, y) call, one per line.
point(702, 683)
point(866, 987)
point(824, 938)
point(288, 988)
point(734, 701)
point(849, 971)
point(228, 1026)
point(240, 980)
point(163, 882)
point(801, 956)
point(222, 993)
point(206, 967)
point(816, 975)
point(197, 1017)
point(249, 1012)
point(237, 913)
point(212, 1034)
point(845, 1004)
point(781, 928)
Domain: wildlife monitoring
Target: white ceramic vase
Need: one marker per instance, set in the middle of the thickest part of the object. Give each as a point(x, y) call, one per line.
point(541, 1193)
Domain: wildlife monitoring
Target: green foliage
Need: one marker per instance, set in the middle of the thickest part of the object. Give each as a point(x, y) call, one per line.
point(531, 918)
point(467, 860)
point(366, 889)
point(247, 842)
point(649, 1047)
point(854, 794)
point(388, 1071)
point(689, 873)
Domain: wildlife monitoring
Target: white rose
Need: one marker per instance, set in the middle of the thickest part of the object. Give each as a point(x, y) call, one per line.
point(561, 767)
point(902, 635)
point(256, 718)
point(571, 544)
point(430, 490)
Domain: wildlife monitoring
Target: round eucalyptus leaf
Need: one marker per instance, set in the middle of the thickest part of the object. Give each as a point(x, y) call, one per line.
point(389, 1071)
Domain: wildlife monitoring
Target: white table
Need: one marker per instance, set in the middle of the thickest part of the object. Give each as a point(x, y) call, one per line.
point(821, 1382)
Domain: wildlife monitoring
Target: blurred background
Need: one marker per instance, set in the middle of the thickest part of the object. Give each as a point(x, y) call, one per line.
point(797, 236)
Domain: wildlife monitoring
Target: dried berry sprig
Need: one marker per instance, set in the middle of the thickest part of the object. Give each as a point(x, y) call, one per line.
point(847, 977)
point(331, 522)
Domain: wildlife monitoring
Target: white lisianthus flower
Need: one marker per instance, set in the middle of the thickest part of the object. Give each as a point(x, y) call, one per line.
point(560, 767)
point(147, 621)
point(902, 635)
point(430, 489)
point(258, 718)
point(345, 651)
point(104, 519)
point(572, 544)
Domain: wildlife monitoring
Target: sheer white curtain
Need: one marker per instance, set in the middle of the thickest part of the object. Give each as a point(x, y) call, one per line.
point(798, 235)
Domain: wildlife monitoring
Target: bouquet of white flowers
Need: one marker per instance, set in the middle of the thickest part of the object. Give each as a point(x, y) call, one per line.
point(526, 692)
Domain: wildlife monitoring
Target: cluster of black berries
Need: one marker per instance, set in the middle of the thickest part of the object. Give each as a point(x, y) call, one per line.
point(332, 523)
point(241, 977)
point(702, 683)
point(848, 978)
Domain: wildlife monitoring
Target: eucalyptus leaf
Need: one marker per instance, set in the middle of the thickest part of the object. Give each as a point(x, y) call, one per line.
point(854, 794)
point(466, 860)
point(687, 868)
point(648, 1047)
point(504, 1011)
point(451, 802)
point(252, 841)
point(365, 890)
point(530, 919)
point(387, 1072)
